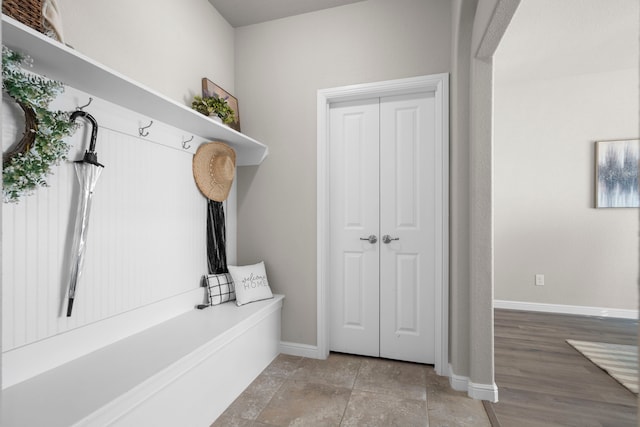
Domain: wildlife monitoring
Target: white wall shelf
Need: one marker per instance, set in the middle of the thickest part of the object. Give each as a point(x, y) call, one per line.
point(59, 62)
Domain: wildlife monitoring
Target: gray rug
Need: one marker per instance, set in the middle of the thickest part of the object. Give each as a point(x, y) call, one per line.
point(619, 361)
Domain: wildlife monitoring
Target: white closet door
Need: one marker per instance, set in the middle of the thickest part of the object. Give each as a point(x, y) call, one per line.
point(354, 179)
point(407, 216)
point(383, 179)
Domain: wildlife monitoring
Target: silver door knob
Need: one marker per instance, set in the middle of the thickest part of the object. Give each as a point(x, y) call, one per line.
point(387, 239)
point(372, 238)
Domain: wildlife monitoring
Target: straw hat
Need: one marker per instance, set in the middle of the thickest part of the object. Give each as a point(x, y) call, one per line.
point(214, 166)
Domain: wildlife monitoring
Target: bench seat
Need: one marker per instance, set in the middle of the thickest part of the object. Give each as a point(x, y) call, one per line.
point(184, 371)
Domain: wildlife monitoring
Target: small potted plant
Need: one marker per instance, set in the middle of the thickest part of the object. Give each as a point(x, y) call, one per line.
point(214, 106)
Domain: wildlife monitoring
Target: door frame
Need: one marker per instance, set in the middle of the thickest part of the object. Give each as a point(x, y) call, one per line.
point(439, 85)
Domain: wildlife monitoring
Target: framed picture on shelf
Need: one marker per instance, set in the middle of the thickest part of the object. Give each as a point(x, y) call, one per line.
point(617, 174)
point(210, 89)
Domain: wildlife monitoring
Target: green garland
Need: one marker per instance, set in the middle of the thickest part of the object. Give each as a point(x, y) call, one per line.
point(25, 167)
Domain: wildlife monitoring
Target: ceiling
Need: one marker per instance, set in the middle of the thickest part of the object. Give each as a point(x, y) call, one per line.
point(239, 13)
point(549, 38)
point(545, 38)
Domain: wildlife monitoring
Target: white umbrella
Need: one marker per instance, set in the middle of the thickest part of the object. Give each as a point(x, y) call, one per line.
point(88, 171)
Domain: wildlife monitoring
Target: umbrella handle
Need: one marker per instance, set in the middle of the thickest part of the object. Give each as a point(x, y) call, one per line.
point(94, 127)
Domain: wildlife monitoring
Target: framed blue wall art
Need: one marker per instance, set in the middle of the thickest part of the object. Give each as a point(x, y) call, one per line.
point(617, 174)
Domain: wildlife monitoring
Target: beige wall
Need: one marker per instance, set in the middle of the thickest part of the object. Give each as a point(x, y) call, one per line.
point(166, 45)
point(280, 65)
point(490, 21)
point(463, 13)
point(545, 131)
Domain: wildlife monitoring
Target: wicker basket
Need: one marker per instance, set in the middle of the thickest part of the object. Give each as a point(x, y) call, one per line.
point(29, 12)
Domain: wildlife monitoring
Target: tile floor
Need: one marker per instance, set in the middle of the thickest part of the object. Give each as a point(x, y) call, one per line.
point(347, 390)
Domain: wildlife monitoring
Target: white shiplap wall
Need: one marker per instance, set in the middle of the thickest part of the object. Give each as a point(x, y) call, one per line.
point(146, 244)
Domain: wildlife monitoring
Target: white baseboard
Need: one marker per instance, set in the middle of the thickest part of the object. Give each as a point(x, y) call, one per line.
point(458, 382)
point(483, 391)
point(303, 350)
point(567, 309)
point(474, 390)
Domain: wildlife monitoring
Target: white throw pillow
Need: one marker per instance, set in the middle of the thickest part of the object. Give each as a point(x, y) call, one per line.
point(250, 282)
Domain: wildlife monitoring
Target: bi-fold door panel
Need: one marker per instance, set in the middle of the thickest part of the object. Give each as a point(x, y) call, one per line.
point(354, 273)
point(407, 213)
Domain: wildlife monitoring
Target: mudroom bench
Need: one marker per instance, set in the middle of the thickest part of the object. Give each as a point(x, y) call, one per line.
point(184, 371)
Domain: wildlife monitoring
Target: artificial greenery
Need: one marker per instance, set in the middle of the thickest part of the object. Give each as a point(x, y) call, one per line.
point(214, 105)
point(25, 170)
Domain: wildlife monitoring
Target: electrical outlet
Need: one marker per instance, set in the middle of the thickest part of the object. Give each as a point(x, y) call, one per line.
point(539, 279)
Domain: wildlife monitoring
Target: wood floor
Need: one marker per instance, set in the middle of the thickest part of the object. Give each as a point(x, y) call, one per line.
point(543, 381)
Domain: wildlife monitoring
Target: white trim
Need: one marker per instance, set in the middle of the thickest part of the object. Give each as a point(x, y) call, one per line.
point(567, 309)
point(303, 350)
point(439, 84)
point(322, 320)
point(442, 229)
point(483, 391)
point(458, 382)
point(475, 391)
